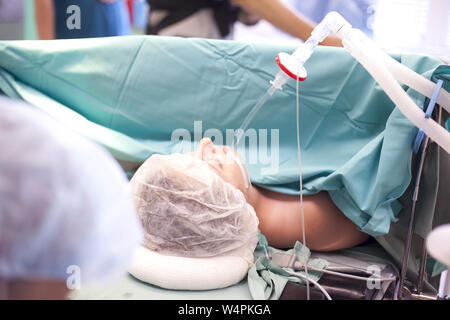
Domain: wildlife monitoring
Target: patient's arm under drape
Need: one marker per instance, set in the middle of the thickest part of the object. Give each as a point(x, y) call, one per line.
point(326, 227)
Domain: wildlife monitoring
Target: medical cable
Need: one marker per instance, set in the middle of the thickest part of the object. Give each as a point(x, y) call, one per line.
point(341, 264)
point(301, 182)
point(315, 283)
point(345, 275)
point(305, 266)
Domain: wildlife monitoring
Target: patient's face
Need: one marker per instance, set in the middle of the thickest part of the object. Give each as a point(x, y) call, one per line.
point(225, 162)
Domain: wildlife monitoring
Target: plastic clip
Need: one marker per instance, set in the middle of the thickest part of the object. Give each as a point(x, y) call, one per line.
point(420, 137)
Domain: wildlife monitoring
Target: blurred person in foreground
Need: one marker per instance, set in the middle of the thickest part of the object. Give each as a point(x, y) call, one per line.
point(66, 213)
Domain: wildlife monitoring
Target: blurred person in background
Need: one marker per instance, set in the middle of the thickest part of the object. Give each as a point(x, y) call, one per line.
point(359, 13)
point(215, 18)
point(11, 19)
point(68, 19)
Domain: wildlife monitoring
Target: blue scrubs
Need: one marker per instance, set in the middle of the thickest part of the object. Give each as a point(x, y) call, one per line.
point(98, 19)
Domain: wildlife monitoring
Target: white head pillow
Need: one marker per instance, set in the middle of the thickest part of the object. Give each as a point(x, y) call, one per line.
point(200, 233)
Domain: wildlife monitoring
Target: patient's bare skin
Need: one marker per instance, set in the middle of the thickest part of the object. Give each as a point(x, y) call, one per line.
point(326, 227)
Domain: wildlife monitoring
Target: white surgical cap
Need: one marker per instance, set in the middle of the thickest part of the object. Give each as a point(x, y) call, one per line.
point(64, 202)
point(189, 212)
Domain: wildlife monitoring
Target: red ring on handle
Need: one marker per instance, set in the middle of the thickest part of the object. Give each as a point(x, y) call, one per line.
point(287, 71)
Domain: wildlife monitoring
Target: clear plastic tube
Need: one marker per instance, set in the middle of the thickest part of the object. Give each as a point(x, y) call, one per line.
point(244, 173)
point(296, 274)
point(299, 156)
point(249, 118)
point(207, 154)
point(243, 127)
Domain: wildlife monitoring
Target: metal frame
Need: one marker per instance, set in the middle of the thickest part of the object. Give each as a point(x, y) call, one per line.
point(402, 291)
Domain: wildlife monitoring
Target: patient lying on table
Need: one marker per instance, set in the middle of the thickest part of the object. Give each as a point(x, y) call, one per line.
point(326, 227)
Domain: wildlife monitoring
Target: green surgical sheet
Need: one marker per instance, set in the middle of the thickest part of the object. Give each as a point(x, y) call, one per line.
point(132, 93)
point(266, 280)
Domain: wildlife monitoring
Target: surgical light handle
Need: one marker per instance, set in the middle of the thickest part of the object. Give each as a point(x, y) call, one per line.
point(383, 68)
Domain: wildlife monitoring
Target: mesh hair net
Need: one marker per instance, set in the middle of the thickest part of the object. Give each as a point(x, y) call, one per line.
point(188, 210)
point(65, 204)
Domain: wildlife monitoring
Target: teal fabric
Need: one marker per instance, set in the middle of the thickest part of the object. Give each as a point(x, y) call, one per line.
point(131, 93)
point(266, 280)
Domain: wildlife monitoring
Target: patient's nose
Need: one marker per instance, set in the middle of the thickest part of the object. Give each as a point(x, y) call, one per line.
point(205, 142)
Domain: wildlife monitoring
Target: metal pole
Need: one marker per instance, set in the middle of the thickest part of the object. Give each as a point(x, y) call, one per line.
point(422, 274)
point(411, 222)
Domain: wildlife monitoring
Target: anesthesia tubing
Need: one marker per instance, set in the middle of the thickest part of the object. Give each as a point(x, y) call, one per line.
point(383, 68)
